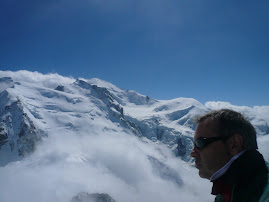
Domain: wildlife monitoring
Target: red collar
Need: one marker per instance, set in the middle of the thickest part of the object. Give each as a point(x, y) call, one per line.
point(224, 189)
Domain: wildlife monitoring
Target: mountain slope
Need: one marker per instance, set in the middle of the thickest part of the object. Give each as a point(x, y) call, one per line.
point(31, 109)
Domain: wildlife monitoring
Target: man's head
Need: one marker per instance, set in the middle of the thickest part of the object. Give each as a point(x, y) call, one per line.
point(219, 136)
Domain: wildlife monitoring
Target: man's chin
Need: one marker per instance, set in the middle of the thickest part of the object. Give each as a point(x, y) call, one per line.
point(203, 175)
point(202, 172)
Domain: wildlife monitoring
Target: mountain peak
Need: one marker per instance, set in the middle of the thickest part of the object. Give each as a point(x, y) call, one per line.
point(104, 84)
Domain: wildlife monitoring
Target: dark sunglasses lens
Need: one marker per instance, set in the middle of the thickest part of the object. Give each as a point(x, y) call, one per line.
point(199, 143)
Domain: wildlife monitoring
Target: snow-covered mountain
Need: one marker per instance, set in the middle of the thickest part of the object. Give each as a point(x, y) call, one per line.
point(35, 107)
point(31, 109)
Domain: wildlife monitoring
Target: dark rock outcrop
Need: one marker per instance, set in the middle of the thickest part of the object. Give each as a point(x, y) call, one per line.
point(95, 197)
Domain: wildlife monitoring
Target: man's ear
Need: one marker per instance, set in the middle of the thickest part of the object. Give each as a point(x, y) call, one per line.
point(236, 144)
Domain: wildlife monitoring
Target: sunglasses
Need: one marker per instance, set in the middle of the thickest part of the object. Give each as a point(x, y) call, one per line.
point(202, 142)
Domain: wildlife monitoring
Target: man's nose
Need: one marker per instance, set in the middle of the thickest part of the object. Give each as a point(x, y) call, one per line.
point(193, 152)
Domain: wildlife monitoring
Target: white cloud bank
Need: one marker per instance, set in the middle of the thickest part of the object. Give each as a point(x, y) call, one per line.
point(47, 80)
point(258, 111)
point(263, 144)
point(114, 163)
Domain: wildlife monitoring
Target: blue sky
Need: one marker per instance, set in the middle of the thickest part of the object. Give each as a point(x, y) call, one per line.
point(208, 50)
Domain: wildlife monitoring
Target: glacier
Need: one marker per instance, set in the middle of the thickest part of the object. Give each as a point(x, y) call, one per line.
point(61, 136)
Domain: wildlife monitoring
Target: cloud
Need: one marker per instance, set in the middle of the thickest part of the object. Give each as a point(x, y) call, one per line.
point(114, 163)
point(6, 82)
point(50, 80)
point(263, 143)
point(259, 112)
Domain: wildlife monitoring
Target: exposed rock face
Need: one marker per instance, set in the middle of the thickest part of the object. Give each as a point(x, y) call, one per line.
point(96, 197)
point(18, 134)
point(181, 147)
point(60, 88)
point(110, 103)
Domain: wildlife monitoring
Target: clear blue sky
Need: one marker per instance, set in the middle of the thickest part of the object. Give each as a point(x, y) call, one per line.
point(208, 50)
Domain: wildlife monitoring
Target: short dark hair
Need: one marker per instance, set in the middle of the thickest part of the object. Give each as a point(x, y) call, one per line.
point(231, 122)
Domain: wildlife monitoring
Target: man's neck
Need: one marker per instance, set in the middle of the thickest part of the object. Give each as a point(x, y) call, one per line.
point(222, 170)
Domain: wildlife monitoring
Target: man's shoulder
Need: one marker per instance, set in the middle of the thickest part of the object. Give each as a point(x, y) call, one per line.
point(257, 186)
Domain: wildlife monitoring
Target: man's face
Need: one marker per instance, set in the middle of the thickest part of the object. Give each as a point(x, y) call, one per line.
point(215, 155)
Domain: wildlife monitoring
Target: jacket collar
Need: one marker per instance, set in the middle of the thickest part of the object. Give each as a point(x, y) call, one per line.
point(241, 170)
point(223, 170)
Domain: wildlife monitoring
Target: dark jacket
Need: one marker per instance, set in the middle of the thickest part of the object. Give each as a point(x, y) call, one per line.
point(245, 181)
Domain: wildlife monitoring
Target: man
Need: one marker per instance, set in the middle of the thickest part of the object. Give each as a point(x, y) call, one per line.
point(225, 153)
